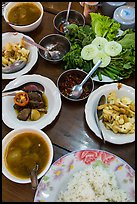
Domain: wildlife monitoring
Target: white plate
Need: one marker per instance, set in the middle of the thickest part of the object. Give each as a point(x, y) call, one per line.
point(15, 37)
point(62, 170)
point(90, 109)
point(105, 79)
point(9, 116)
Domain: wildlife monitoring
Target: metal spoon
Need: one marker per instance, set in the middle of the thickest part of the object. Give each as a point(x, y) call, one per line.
point(34, 178)
point(16, 66)
point(52, 54)
point(66, 20)
point(31, 86)
point(98, 114)
point(78, 89)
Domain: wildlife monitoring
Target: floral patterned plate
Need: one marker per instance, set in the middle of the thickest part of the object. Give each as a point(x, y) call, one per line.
point(61, 170)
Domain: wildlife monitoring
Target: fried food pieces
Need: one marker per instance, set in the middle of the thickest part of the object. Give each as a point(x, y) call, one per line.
point(118, 114)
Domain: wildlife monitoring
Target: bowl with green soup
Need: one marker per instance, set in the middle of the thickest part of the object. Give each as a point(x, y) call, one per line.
point(22, 150)
point(23, 16)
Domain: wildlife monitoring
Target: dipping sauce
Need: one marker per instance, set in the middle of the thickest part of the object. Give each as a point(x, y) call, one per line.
point(24, 151)
point(67, 82)
point(61, 26)
point(24, 14)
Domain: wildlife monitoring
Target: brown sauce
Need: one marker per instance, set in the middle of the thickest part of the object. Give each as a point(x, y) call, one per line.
point(70, 80)
point(24, 151)
point(24, 14)
point(61, 26)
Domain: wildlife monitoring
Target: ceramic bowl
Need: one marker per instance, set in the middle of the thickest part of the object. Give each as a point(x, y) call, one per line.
point(15, 37)
point(16, 133)
point(25, 28)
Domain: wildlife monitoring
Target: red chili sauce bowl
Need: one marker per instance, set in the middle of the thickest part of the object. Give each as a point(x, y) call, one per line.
point(72, 77)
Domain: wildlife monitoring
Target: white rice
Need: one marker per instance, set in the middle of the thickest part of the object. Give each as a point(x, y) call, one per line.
point(93, 185)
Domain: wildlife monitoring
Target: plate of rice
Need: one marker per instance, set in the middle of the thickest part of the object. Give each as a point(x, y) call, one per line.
point(87, 176)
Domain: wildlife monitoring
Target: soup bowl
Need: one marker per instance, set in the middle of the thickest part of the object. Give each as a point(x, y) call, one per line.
point(23, 28)
point(22, 150)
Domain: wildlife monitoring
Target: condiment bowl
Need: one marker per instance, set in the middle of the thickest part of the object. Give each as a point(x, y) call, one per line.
point(70, 78)
point(74, 17)
point(23, 28)
point(54, 42)
point(14, 151)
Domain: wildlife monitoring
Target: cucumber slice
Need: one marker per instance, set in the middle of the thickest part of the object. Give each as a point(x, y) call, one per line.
point(100, 42)
point(89, 52)
point(103, 57)
point(113, 48)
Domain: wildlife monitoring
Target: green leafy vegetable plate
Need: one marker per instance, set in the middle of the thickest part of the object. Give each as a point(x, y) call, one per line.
point(121, 66)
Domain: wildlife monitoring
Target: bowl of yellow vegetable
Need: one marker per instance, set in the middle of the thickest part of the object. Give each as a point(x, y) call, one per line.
point(15, 49)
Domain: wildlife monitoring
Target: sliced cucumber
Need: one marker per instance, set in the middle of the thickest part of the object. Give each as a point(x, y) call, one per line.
point(113, 48)
point(89, 52)
point(100, 42)
point(103, 57)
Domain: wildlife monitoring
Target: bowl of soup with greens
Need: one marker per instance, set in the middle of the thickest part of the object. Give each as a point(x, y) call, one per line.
point(22, 150)
point(23, 16)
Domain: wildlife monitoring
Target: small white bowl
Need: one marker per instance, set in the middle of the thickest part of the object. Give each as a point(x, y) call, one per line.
point(26, 28)
point(6, 140)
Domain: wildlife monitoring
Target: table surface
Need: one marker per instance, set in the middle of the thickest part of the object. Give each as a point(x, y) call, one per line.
point(69, 131)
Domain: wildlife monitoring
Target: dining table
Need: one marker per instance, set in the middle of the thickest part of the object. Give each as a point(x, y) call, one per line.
point(69, 130)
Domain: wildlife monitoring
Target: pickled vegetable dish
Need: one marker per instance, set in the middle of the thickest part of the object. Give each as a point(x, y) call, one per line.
point(24, 152)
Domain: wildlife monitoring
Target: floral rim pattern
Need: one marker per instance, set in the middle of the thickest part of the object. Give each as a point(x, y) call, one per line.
point(61, 170)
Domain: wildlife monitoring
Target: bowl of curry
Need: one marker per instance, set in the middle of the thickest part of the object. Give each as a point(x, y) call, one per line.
point(23, 16)
point(22, 149)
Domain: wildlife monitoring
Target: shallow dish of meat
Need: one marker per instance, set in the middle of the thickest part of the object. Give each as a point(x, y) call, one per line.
point(30, 106)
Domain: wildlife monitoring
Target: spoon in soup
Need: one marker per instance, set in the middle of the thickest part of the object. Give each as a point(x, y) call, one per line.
point(52, 54)
point(33, 177)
